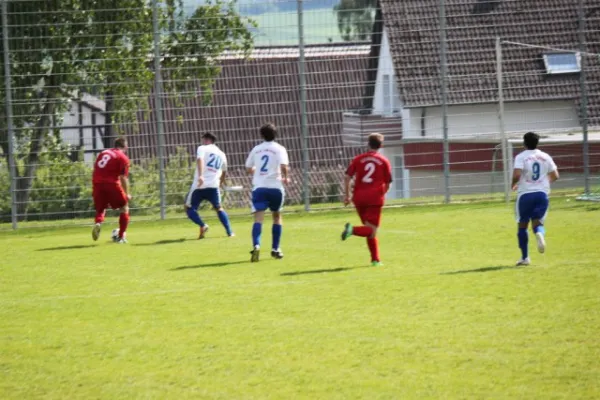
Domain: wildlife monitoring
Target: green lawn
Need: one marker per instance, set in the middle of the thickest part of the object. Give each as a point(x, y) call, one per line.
point(167, 316)
point(279, 28)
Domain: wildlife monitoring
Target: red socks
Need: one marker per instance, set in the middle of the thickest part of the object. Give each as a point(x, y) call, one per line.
point(362, 231)
point(99, 217)
point(123, 222)
point(373, 244)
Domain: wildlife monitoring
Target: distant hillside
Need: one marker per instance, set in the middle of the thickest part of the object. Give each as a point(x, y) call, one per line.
point(257, 7)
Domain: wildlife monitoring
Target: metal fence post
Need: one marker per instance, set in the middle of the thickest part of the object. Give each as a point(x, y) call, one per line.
point(444, 92)
point(10, 131)
point(158, 93)
point(503, 138)
point(583, 104)
point(303, 116)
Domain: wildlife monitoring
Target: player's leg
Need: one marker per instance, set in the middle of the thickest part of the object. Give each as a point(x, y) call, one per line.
point(193, 200)
point(100, 204)
point(523, 214)
point(537, 220)
point(361, 230)
point(119, 200)
point(372, 219)
point(259, 205)
point(215, 201)
point(276, 199)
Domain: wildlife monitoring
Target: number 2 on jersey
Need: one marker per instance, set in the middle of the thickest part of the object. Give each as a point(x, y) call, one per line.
point(103, 161)
point(535, 168)
point(370, 170)
point(214, 161)
point(265, 161)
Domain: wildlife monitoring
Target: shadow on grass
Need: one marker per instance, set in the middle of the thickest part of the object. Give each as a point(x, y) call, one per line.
point(213, 265)
point(485, 269)
point(321, 271)
point(73, 247)
point(169, 241)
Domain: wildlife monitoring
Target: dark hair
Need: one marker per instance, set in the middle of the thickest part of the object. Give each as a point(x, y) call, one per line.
point(268, 132)
point(210, 137)
point(531, 140)
point(375, 141)
point(120, 143)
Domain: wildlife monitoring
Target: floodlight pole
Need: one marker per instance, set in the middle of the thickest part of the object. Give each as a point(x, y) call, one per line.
point(505, 159)
point(10, 131)
point(583, 104)
point(303, 116)
point(158, 93)
point(444, 92)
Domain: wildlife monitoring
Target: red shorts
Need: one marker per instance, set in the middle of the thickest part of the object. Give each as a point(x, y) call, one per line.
point(370, 214)
point(108, 195)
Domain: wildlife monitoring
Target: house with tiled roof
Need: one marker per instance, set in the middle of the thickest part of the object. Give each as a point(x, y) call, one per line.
point(540, 57)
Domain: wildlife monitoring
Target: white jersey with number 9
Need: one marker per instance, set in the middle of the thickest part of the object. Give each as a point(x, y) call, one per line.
point(535, 166)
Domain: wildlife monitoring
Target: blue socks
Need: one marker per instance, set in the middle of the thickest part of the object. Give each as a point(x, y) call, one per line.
point(193, 215)
point(256, 231)
point(539, 229)
point(224, 218)
point(276, 235)
point(523, 240)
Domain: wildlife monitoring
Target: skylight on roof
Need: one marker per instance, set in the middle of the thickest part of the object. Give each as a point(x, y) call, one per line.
point(562, 63)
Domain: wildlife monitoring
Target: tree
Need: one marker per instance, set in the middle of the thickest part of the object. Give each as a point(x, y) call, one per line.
point(355, 19)
point(61, 48)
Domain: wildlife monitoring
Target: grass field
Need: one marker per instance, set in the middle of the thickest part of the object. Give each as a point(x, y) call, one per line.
point(167, 316)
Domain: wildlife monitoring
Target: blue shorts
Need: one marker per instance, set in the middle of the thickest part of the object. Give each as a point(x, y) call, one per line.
point(195, 197)
point(263, 198)
point(531, 206)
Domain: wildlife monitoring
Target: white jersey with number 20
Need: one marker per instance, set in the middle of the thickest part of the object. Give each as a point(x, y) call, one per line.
point(267, 159)
point(535, 166)
point(215, 163)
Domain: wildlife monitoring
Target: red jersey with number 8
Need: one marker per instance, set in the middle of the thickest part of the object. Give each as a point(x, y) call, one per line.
point(109, 165)
point(373, 174)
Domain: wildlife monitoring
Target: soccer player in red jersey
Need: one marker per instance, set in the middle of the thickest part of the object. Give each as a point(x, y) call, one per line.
point(111, 187)
point(372, 175)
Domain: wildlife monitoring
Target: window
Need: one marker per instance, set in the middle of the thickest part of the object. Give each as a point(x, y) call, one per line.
point(562, 63)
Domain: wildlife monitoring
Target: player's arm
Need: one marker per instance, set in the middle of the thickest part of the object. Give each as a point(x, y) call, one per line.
point(250, 168)
point(200, 166)
point(223, 178)
point(516, 177)
point(124, 178)
point(347, 181)
point(553, 174)
point(284, 162)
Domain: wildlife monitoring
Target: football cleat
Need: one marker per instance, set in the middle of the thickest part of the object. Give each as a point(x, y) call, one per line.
point(255, 254)
point(232, 234)
point(122, 241)
point(376, 263)
point(541, 242)
point(277, 253)
point(347, 232)
point(203, 230)
point(524, 261)
point(96, 231)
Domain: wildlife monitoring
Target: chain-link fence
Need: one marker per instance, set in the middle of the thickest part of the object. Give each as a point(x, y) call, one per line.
point(452, 84)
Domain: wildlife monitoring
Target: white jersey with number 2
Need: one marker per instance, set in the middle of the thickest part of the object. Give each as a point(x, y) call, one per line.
point(536, 166)
point(267, 159)
point(215, 163)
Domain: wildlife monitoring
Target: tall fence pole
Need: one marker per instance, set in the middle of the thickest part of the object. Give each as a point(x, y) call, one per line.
point(303, 116)
point(158, 96)
point(583, 104)
point(505, 159)
point(10, 131)
point(444, 92)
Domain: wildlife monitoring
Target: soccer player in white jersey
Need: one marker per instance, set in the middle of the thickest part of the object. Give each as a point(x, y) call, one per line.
point(211, 167)
point(533, 173)
point(268, 163)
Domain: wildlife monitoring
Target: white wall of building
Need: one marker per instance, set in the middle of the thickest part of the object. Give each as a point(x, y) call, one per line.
point(70, 131)
point(482, 119)
point(386, 99)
